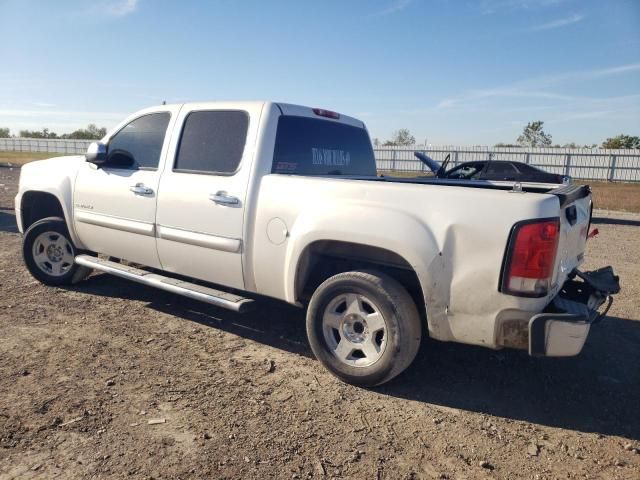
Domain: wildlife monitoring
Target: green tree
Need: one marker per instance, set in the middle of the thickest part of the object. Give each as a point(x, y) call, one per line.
point(401, 137)
point(502, 145)
point(44, 133)
point(4, 133)
point(622, 141)
point(534, 135)
point(92, 132)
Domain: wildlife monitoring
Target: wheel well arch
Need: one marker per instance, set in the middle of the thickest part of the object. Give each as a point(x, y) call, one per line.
point(36, 205)
point(325, 258)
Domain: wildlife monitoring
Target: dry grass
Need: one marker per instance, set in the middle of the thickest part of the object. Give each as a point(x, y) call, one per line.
point(20, 158)
point(616, 196)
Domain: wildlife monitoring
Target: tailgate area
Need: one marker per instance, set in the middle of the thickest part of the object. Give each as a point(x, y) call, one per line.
point(575, 218)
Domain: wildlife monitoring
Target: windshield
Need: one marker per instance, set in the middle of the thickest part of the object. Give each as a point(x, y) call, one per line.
point(466, 171)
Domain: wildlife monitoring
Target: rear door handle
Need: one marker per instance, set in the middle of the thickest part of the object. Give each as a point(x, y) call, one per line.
point(140, 189)
point(222, 198)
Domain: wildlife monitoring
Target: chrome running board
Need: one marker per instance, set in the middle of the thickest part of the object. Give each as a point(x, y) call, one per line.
point(186, 289)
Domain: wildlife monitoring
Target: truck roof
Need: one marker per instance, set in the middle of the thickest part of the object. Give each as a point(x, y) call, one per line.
point(285, 109)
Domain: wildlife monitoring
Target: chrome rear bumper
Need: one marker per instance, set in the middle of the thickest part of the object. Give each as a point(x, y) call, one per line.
point(562, 329)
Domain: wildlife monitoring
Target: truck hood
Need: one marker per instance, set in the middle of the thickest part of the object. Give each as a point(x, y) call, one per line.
point(67, 163)
point(434, 166)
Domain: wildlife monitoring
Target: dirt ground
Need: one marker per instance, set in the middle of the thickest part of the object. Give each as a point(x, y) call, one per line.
point(111, 379)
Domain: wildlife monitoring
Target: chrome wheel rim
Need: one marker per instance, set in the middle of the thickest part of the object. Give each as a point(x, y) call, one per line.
point(53, 253)
point(355, 330)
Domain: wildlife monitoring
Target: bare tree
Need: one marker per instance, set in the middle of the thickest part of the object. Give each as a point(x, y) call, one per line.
point(534, 135)
point(401, 137)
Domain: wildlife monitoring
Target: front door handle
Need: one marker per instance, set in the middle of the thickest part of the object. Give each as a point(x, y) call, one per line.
point(222, 198)
point(140, 189)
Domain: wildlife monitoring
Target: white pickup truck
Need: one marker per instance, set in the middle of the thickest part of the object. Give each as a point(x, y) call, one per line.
point(224, 202)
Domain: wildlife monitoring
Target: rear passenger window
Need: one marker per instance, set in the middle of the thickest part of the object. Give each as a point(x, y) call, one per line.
point(212, 141)
point(501, 168)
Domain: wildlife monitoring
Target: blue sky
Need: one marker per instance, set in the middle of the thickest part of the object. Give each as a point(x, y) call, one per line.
point(453, 72)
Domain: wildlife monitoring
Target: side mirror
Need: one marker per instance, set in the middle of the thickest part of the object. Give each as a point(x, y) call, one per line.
point(96, 153)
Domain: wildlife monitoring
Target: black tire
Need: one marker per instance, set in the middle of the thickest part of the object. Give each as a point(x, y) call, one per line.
point(403, 326)
point(69, 271)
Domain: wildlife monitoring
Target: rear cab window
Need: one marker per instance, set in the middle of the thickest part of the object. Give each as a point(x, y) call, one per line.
point(310, 146)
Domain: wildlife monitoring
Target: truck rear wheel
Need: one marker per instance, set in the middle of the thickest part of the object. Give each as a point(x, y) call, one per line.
point(49, 253)
point(363, 327)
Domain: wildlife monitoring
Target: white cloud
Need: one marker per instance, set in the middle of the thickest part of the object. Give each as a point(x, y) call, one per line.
point(120, 8)
point(489, 7)
point(604, 72)
point(560, 22)
point(58, 113)
point(394, 7)
point(535, 87)
point(59, 121)
point(501, 92)
point(107, 9)
point(578, 115)
point(548, 80)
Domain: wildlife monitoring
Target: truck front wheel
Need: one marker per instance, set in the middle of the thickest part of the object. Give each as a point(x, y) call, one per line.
point(363, 327)
point(49, 253)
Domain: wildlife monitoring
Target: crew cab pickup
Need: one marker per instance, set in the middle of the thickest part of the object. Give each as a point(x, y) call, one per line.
point(227, 202)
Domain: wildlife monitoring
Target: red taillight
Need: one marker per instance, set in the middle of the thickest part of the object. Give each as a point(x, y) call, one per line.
point(326, 113)
point(531, 258)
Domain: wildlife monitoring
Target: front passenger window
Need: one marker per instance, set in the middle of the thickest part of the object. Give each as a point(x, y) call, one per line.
point(139, 143)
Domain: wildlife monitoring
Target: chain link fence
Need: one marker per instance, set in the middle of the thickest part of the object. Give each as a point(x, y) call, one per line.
point(72, 147)
point(581, 164)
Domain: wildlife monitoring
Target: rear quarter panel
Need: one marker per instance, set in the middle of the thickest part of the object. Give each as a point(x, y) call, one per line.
point(454, 238)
